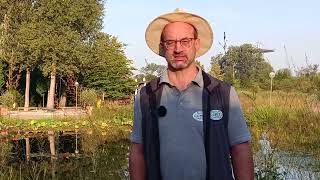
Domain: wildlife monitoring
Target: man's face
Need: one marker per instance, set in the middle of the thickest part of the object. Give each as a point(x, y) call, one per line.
point(179, 45)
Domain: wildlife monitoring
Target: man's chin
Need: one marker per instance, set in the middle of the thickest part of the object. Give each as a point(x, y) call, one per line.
point(178, 66)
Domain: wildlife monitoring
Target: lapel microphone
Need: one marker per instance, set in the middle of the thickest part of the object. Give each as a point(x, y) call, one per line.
point(162, 111)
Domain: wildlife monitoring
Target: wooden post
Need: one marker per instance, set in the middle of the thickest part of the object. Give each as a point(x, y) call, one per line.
point(27, 148)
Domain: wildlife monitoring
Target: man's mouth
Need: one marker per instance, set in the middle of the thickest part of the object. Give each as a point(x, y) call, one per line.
point(179, 58)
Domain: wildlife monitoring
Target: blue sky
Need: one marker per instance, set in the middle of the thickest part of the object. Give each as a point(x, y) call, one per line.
point(270, 24)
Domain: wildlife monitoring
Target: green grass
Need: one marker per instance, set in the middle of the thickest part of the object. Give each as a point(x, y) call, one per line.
point(292, 122)
point(102, 120)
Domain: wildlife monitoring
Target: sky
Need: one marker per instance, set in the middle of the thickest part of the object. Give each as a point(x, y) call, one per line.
point(290, 27)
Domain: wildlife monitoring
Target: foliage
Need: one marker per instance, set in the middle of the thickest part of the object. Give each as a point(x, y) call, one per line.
point(150, 71)
point(200, 65)
point(14, 14)
point(41, 87)
point(244, 63)
point(58, 30)
point(291, 114)
point(101, 119)
point(286, 85)
point(11, 99)
point(215, 70)
point(283, 74)
point(253, 92)
point(269, 169)
point(308, 79)
point(2, 76)
point(108, 68)
point(88, 97)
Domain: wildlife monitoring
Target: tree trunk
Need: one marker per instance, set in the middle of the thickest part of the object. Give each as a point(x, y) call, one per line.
point(27, 91)
point(42, 100)
point(50, 104)
point(52, 144)
point(63, 100)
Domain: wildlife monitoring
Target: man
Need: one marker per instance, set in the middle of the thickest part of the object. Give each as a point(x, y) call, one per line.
point(187, 124)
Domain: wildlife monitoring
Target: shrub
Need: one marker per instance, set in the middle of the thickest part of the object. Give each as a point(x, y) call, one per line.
point(11, 99)
point(88, 97)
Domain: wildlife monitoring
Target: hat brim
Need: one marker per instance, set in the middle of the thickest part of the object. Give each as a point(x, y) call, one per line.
point(154, 30)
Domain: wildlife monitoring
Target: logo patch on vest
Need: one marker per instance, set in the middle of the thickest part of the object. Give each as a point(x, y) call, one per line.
point(216, 115)
point(197, 115)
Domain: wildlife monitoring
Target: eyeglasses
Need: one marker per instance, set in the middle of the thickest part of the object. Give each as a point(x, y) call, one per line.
point(171, 44)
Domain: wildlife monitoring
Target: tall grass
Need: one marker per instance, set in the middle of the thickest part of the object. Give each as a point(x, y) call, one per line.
point(292, 121)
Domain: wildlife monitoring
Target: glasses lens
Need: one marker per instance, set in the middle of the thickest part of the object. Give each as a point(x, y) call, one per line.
point(185, 42)
point(170, 44)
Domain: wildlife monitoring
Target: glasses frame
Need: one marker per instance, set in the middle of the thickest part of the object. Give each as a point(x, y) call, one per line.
point(174, 43)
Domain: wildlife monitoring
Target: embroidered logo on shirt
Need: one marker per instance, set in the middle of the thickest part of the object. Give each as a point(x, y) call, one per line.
point(216, 115)
point(197, 115)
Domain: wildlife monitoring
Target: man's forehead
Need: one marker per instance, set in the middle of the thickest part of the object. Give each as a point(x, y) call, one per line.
point(178, 28)
point(182, 25)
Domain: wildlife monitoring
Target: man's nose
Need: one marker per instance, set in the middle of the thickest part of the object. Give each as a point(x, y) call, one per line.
point(178, 47)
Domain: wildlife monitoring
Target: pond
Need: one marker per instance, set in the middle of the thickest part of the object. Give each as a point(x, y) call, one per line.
point(287, 165)
point(65, 155)
point(94, 154)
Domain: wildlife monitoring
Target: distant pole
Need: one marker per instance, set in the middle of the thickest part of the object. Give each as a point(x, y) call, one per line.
point(76, 84)
point(271, 75)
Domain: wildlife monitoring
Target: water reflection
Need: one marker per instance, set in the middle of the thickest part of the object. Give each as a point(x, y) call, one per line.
point(93, 154)
point(272, 164)
point(65, 155)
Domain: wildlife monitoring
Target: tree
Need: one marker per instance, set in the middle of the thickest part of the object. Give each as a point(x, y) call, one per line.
point(307, 78)
point(283, 74)
point(14, 14)
point(200, 65)
point(26, 38)
point(2, 76)
point(107, 68)
point(215, 69)
point(41, 89)
point(63, 28)
point(151, 71)
point(246, 64)
point(284, 80)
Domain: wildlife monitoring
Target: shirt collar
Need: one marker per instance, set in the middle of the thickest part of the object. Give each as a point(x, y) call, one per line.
point(198, 80)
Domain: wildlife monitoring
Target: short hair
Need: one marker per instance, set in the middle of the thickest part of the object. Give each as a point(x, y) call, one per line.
point(195, 32)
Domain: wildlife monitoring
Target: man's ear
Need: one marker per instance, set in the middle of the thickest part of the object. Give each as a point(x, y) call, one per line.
point(197, 44)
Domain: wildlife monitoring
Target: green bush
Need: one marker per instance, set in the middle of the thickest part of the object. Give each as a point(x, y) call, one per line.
point(264, 115)
point(88, 97)
point(11, 99)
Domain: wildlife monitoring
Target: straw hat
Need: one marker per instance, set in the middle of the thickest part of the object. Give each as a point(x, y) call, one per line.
point(154, 30)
